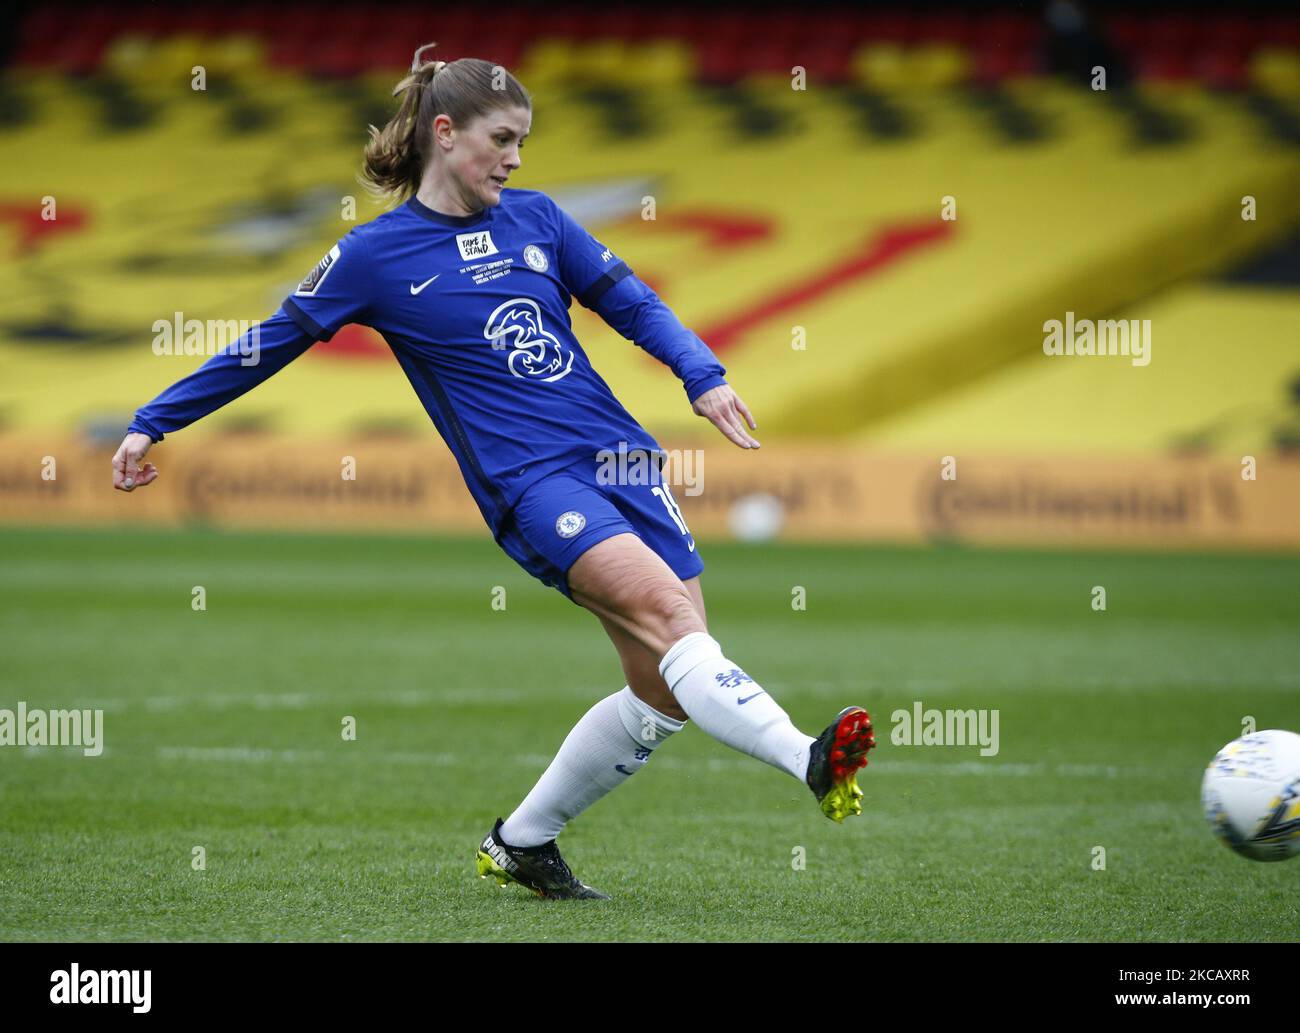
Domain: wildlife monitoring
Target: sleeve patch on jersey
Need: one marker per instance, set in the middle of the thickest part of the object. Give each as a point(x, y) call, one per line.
point(316, 277)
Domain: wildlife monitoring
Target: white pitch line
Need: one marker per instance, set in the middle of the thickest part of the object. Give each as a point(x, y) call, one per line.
point(870, 692)
point(304, 700)
point(959, 769)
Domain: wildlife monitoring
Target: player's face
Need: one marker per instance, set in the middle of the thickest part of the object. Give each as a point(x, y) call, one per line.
point(487, 153)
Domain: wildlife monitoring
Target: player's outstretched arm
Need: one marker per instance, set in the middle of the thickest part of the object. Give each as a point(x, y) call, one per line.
point(223, 378)
point(640, 315)
point(336, 292)
point(605, 284)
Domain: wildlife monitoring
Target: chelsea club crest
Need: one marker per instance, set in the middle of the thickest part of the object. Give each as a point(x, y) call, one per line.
point(536, 258)
point(570, 524)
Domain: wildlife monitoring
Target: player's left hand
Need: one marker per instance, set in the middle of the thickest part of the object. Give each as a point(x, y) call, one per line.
point(724, 408)
point(128, 474)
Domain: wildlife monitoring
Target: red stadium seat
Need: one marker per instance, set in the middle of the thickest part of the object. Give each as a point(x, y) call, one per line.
point(1006, 31)
point(1230, 31)
point(506, 50)
point(81, 54)
point(1164, 64)
point(674, 24)
point(336, 59)
point(618, 23)
point(829, 61)
point(719, 62)
point(40, 53)
point(1281, 31)
point(833, 27)
point(772, 58)
point(288, 51)
point(719, 27)
point(883, 28)
point(564, 24)
point(390, 51)
point(338, 39)
point(995, 63)
point(1170, 33)
point(409, 24)
point(253, 21)
point(944, 27)
point(208, 21)
point(1224, 67)
point(781, 25)
point(461, 19)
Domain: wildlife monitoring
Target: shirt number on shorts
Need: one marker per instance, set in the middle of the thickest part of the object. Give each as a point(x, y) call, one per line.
point(674, 510)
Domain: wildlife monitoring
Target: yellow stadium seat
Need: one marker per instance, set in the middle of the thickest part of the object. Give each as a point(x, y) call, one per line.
point(1276, 71)
point(881, 65)
point(659, 63)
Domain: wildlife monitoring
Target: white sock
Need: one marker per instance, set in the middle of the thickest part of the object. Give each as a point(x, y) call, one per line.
point(613, 740)
point(733, 708)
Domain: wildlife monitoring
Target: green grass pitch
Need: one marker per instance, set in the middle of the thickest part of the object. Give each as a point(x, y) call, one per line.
point(223, 730)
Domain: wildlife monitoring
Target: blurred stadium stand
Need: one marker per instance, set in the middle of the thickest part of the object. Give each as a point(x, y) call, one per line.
point(776, 209)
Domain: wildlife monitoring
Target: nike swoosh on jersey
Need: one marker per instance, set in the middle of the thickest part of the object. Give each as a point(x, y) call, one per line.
point(416, 290)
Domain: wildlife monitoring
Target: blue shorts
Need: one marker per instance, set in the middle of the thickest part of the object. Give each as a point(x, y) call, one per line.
point(565, 513)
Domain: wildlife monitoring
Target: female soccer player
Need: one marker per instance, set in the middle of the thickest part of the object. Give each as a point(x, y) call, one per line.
point(470, 285)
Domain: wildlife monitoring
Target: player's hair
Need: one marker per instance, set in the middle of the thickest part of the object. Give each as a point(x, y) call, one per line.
point(461, 89)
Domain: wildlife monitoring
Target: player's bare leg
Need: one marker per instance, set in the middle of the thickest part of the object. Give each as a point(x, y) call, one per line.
point(657, 624)
point(623, 581)
point(641, 665)
point(612, 741)
point(632, 589)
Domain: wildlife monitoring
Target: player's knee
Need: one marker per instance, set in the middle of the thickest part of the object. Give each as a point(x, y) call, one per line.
point(670, 614)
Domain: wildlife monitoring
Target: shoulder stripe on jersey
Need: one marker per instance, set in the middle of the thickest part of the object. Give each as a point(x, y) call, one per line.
point(305, 321)
point(597, 290)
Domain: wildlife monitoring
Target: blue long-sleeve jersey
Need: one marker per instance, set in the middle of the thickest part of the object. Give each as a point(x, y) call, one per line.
point(476, 309)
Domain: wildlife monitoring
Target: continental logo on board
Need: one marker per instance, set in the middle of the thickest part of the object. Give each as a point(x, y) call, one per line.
point(302, 487)
point(1104, 502)
point(210, 488)
point(825, 492)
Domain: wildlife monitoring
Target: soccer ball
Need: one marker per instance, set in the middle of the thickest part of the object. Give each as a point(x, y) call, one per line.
point(1251, 795)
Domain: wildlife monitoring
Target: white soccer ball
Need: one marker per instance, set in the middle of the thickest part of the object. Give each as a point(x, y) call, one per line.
point(757, 517)
point(1251, 795)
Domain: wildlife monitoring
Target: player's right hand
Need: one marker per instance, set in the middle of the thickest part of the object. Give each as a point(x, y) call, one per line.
point(724, 409)
point(127, 473)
